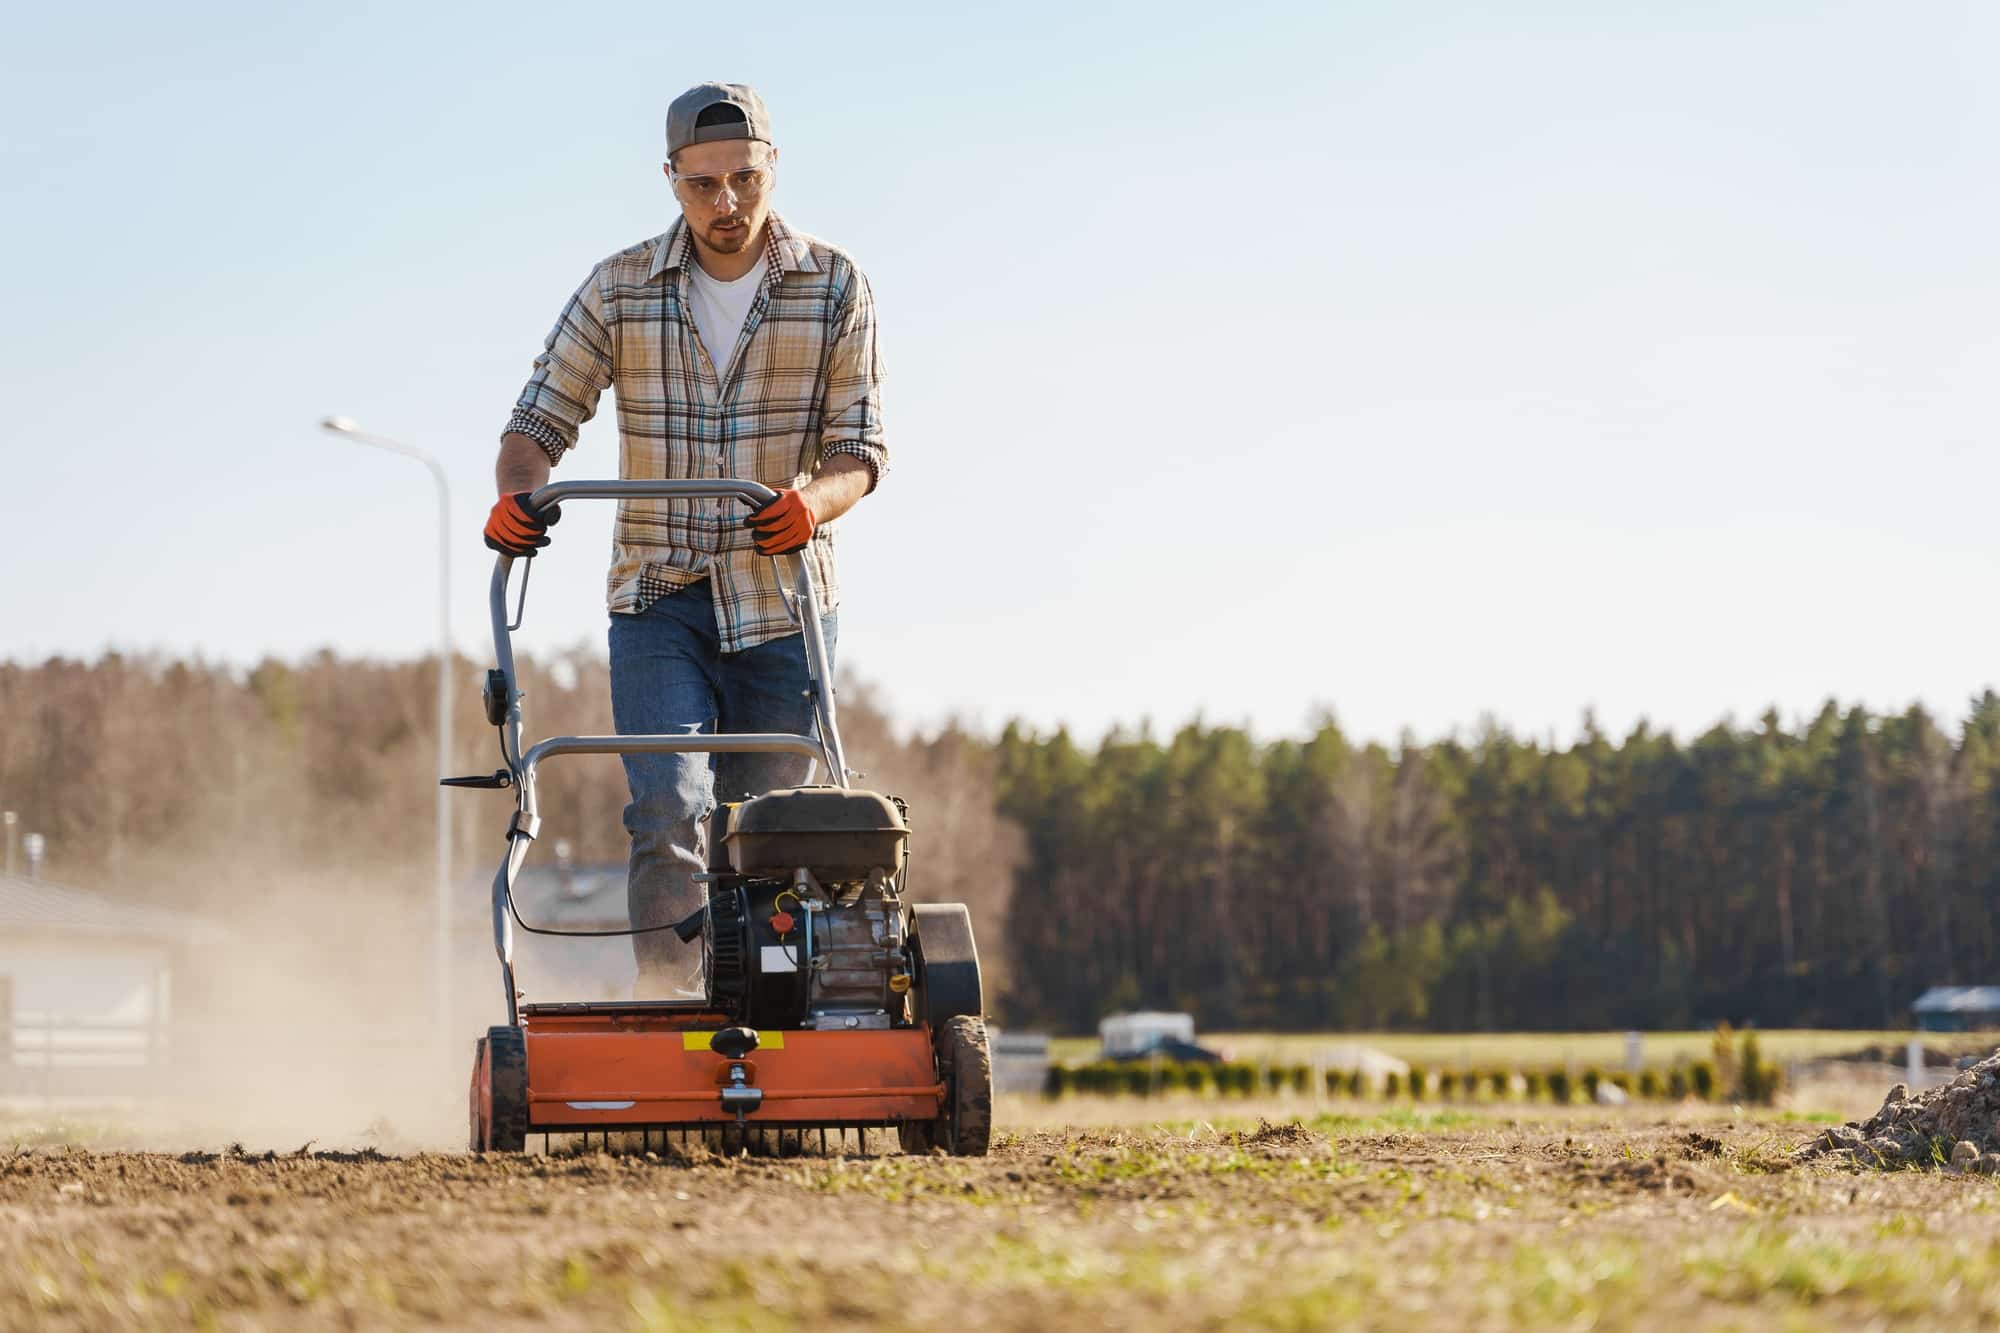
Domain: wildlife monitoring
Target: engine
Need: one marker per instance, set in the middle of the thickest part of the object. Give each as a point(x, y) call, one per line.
point(805, 925)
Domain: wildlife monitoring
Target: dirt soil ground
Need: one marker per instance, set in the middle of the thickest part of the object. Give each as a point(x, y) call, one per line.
point(1409, 1219)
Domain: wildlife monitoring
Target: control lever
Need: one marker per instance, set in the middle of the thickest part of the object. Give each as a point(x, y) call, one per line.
point(733, 1044)
point(499, 781)
point(688, 928)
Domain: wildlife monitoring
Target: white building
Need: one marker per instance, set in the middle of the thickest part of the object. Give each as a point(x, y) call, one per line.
point(1137, 1033)
point(86, 988)
point(1020, 1060)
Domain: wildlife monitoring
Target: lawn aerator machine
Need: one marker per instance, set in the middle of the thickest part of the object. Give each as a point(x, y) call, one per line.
point(831, 1002)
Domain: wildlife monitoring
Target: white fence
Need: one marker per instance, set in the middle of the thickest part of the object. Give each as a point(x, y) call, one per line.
point(59, 1057)
point(1020, 1060)
point(56, 1055)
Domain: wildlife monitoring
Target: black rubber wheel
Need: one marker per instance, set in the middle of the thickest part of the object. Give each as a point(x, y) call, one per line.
point(967, 1066)
point(475, 1099)
point(508, 1074)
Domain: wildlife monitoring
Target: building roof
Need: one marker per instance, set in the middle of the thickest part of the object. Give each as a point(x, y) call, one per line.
point(1958, 1000)
point(1145, 1023)
point(36, 904)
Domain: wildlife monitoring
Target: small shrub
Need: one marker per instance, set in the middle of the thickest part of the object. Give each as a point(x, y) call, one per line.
point(1500, 1082)
point(1677, 1084)
point(1622, 1081)
point(1649, 1084)
point(1447, 1086)
point(1056, 1082)
point(1723, 1044)
point(1197, 1077)
point(1701, 1079)
point(1392, 1084)
point(1591, 1078)
point(1756, 1081)
point(1236, 1079)
point(1417, 1084)
point(1533, 1084)
point(1302, 1078)
point(1559, 1089)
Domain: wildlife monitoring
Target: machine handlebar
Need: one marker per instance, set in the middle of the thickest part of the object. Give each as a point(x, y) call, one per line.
point(750, 492)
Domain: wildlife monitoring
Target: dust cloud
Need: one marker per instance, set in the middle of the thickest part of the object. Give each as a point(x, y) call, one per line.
point(311, 1014)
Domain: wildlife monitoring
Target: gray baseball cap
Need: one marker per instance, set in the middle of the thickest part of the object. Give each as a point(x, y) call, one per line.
point(681, 116)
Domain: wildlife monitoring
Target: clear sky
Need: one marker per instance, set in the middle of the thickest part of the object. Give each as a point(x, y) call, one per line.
point(1417, 361)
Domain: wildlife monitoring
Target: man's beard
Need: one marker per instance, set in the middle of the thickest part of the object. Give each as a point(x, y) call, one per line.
point(727, 242)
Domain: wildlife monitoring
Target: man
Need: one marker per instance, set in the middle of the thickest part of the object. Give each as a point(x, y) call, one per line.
point(738, 348)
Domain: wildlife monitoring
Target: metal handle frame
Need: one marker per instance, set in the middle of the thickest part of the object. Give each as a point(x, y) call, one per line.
point(803, 605)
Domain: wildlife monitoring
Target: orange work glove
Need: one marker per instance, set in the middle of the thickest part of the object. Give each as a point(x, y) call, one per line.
point(782, 526)
point(516, 527)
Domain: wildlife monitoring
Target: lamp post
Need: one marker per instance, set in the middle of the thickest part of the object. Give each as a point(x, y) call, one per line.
point(441, 944)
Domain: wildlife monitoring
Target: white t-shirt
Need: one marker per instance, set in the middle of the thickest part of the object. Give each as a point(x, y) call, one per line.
point(719, 309)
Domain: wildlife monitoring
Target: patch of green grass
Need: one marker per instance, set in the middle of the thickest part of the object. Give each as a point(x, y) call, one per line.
point(897, 1179)
point(1098, 1168)
point(1904, 1279)
point(1335, 1303)
point(1575, 1287)
point(1631, 1278)
point(1401, 1120)
point(1045, 1263)
point(666, 1310)
point(1389, 1120)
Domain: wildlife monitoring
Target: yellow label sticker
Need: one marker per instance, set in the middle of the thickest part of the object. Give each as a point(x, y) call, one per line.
point(766, 1041)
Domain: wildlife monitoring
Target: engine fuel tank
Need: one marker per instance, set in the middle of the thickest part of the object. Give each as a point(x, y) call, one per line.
point(837, 833)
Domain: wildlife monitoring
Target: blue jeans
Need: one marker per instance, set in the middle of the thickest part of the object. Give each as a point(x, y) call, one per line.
point(670, 676)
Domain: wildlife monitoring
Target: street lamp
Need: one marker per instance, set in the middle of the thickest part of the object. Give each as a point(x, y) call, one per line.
point(441, 963)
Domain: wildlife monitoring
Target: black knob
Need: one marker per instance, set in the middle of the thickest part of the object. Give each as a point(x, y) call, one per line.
point(733, 1043)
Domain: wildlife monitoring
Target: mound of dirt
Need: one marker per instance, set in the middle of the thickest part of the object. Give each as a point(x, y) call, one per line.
point(1285, 1138)
point(1646, 1173)
point(1695, 1145)
point(1955, 1126)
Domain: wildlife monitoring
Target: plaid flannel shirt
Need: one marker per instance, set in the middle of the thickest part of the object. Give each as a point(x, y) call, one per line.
point(804, 384)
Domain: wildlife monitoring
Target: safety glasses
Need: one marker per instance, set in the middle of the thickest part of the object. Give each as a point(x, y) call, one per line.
point(746, 185)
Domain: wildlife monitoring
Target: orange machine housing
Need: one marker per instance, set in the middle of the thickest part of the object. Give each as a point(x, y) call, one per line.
point(605, 1069)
